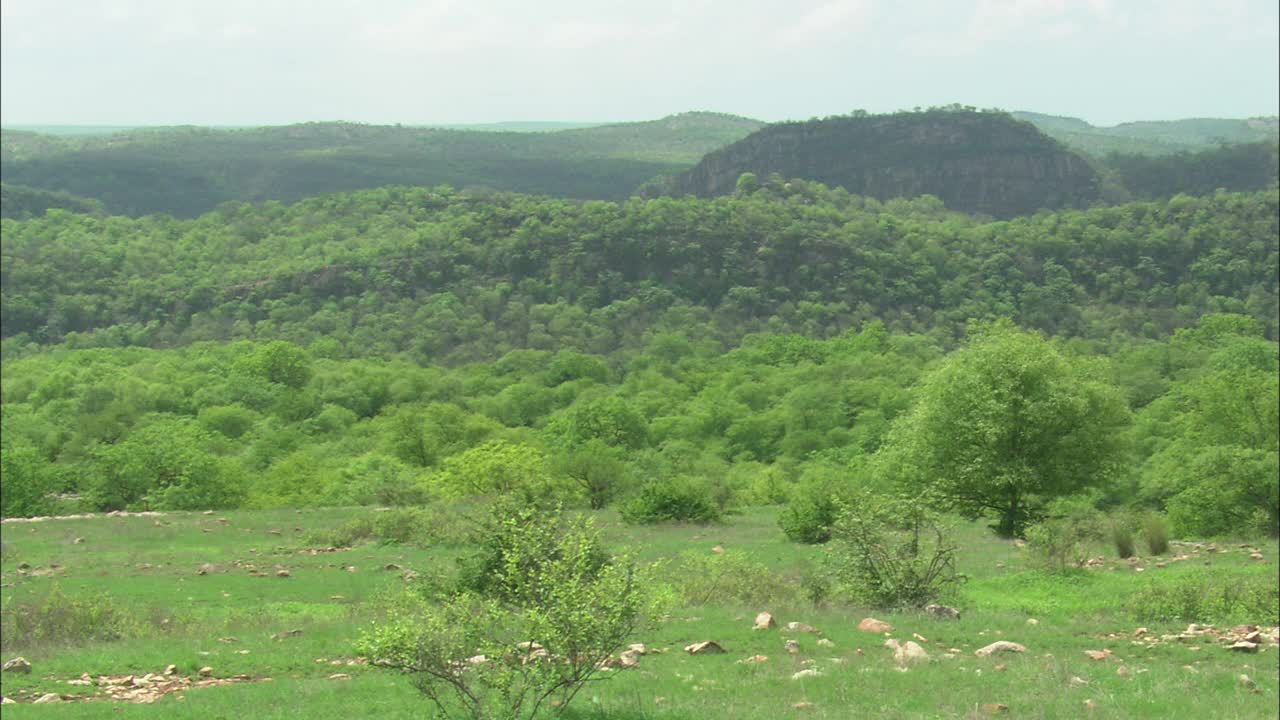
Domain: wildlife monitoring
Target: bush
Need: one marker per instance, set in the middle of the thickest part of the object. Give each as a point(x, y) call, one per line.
point(1202, 597)
point(730, 577)
point(551, 610)
point(1122, 538)
point(27, 483)
point(420, 526)
point(1155, 534)
point(56, 619)
point(672, 499)
point(808, 517)
point(891, 553)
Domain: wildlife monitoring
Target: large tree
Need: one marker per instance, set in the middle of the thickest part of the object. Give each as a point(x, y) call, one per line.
point(1006, 424)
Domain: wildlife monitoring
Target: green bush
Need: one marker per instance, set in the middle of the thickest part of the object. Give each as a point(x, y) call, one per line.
point(891, 553)
point(808, 517)
point(704, 578)
point(672, 499)
point(1203, 597)
point(1122, 538)
point(54, 619)
point(525, 639)
point(1155, 534)
point(27, 482)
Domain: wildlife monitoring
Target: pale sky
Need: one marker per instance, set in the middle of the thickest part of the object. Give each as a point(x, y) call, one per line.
point(270, 62)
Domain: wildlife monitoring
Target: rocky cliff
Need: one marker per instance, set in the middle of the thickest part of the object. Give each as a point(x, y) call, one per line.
point(977, 162)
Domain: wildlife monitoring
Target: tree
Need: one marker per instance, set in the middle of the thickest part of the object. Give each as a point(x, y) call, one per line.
point(1006, 424)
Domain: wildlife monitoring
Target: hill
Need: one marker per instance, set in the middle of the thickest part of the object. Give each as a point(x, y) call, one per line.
point(19, 202)
point(1153, 137)
point(976, 162)
point(185, 171)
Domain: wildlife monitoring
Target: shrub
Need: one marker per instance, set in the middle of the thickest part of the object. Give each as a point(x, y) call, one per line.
point(1205, 598)
point(1122, 538)
point(808, 517)
point(729, 577)
point(27, 483)
point(552, 609)
point(56, 619)
point(672, 499)
point(1155, 534)
point(890, 553)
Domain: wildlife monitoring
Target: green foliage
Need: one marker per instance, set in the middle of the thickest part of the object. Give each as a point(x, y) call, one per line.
point(27, 483)
point(1155, 534)
point(891, 553)
point(730, 577)
point(596, 469)
point(808, 517)
point(1202, 597)
point(1005, 425)
point(672, 499)
point(57, 619)
point(1122, 539)
point(610, 420)
point(498, 468)
point(524, 636)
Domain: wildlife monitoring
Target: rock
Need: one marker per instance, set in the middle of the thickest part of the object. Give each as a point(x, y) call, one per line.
point(823, 642)
point(1245, 646)
point(638, 649)
point(1096, 654)
point(801, 627)
point(409, 576)
point(7, 701)
point(206, 671)
point(909, 653)
point(873, 625)
point(170, 669)
point(995, 708)
point(1140, 632)
point(17, 665)
point(706, 647)
point(78, 541)
point(803, 705)
point(764, 621)
point(1090, 704)
point(48, 698)
point(717, 549)
point(391, 566)
point(804, 674)
point(755, 659)
point(1123, 672)
point(1000, 646)
point(628, 659)
point(1246, 682)
point(1077, 682)
point(1033, 621)
point(791, 646)
point(339, 676)
point(999, 668)
point(999, 566)
point(273, 532)
point(205, 569)
point(284, 634)
point(282, 573)
point(942, 611)
point(1256, 556)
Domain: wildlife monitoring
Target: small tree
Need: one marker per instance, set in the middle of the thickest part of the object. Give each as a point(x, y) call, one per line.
point(1005, 425)
point(529, 624)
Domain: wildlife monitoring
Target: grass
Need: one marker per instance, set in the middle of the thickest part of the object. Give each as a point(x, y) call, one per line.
point(139, 575)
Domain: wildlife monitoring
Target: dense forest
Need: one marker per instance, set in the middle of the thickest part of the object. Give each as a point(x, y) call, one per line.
point(188, 170)
point(403, 344)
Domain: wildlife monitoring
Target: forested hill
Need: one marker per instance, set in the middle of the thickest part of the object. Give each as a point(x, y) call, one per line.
point(450, 276)
point(982, 162)
point(187, 171)
point(1154, 137)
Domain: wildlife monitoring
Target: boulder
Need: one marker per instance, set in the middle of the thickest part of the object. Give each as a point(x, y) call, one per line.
point(764, 621)
point(823, 642)
point(805, 674)
point(942, 611)
point(801, 627)
point(791, 646)
point(17, 665)
point(48, 698)
point(1245, 646)
point(873, 625)
point(909, 653)
point(1000, 646)
point(1097, 654)
point(706, 647)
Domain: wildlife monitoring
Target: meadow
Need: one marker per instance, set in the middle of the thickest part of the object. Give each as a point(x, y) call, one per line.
point(260, 600)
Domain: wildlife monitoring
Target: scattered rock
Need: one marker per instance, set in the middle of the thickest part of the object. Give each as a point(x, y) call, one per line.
point(285, 634)
point(638, 649)
point(717, 549)
point(1123, 672)
point(1256, 556)
point(995, 708)
point(823, 642)
point(755, 659)
point(706, 647)
point(340, 676)
point(282, 573)
point(273, 532)
point(205, 569)
point(628, 659)
point(1000, 646)
point(999, 668)
point(170, 669)
point(999, 566)
point(1077, 682)
point(7, 701)
point(801, 627)
point(391, 566)
point(803, 705)
point(17, 665)
point(78, 541)
point(48, 698)
point(1247, 682)
point(1097, 654)
point(942, 611)
point(1090, 704)
point(1140, 632)
point(873, 625)
point(1245, 646)
point(764, 621)
point(909, 653)
point(409, 576)
point(791, 646)
point(206, 671)
point(1032, 621)
point(808, 673)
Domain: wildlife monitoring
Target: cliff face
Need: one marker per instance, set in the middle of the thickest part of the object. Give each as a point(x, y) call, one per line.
point(974, 162)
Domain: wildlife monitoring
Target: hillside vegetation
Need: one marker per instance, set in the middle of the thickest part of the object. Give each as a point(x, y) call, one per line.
point(1154, 137)
point(187, 171)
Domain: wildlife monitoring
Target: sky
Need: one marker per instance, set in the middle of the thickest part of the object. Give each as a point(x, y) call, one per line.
point(273, 62)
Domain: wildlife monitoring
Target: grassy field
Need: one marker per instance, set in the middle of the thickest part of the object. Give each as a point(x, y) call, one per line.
point(112, 596)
